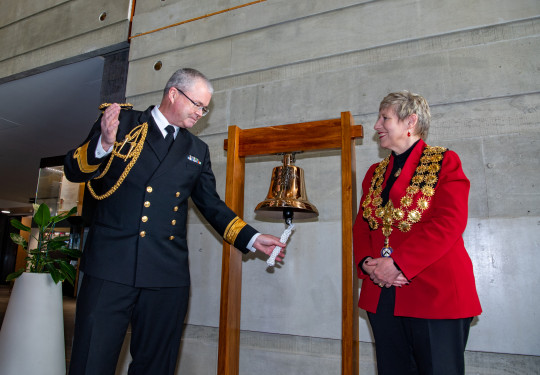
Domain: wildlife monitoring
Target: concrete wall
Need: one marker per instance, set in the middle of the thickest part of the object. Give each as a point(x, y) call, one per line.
point(279, 62)
point(38, 35)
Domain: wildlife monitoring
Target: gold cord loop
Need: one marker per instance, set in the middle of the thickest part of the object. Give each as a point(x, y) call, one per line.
point(135, 139)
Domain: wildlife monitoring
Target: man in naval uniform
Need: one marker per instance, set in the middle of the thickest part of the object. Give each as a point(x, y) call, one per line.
point(142, 167)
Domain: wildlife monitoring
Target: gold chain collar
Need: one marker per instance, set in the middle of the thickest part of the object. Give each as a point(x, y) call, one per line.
point(424, 180)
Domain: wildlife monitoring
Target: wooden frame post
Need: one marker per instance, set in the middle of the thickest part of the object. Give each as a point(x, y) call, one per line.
point(316, 135)
point(231, 270)
point(349, 298)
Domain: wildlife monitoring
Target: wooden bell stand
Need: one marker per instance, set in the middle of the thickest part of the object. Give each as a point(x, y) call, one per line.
point(317, 135)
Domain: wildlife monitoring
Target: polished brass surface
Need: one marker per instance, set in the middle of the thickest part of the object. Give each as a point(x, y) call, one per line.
point(287, 192)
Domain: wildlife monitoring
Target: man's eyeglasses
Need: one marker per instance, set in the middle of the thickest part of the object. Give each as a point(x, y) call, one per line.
point(204, 110)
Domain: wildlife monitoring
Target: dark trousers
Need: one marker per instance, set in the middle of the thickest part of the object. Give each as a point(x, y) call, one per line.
point(104, 311)
point(413, 346)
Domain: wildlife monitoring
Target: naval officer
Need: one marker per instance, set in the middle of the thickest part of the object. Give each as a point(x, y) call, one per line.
point(142, 167)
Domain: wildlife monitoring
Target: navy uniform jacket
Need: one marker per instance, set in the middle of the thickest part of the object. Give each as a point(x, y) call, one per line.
point(138, 233)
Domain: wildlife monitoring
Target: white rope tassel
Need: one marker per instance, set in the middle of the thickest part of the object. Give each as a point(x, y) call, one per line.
point(284, 237)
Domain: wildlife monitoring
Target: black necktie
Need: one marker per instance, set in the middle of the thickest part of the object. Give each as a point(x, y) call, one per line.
point(169, 138)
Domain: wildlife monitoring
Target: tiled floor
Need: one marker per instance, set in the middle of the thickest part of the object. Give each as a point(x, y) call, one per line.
point(69, 317)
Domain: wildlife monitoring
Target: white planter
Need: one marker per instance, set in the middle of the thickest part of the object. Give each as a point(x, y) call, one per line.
point(32, 334)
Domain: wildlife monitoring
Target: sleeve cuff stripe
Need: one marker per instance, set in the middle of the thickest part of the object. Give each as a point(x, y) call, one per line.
point(233, 229)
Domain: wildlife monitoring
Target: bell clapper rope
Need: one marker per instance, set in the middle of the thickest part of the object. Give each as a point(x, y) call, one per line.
point(288, 215)
point(284, 237)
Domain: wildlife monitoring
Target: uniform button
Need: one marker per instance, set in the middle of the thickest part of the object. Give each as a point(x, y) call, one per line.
point(171, 238)
point(142, 234)
point(144, 219)
point(173, 222)
point(177, 194)
point(146, 204)
point(175, 208)
point(149, 189)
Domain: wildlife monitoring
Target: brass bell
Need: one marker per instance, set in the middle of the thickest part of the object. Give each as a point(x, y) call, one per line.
point(287, 194)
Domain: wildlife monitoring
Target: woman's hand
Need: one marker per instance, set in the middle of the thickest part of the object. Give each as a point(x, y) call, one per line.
point(400, 281)
point(368, 267)
point(383, 271)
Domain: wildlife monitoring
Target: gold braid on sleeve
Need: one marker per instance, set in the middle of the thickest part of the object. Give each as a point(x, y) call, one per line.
point(233, 229)
point(135, 140)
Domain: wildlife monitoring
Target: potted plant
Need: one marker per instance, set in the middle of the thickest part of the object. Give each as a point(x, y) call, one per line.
point(51, 252)
point(34, 320)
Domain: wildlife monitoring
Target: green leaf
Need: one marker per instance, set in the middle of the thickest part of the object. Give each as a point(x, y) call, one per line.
point(14, 275)
point(18, 225)
point(54, 244)
point(74, 253)
point(63, 216)
point(43, 215)
point(55, 274)
point(68, 270)
point(61, 238)
point(69, 280)
point(19, 240)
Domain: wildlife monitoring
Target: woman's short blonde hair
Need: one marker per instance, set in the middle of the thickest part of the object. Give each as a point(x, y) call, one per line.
point(406, 103)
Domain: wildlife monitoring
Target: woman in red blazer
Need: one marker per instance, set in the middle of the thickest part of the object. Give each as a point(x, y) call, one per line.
point(418, 284)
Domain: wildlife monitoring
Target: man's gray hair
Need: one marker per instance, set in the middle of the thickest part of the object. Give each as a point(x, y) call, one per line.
point(185, 78)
